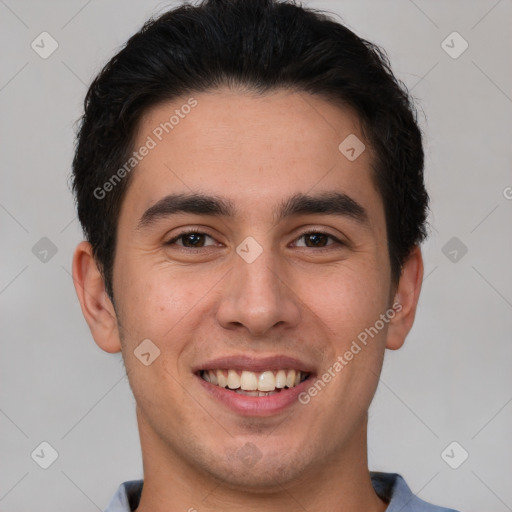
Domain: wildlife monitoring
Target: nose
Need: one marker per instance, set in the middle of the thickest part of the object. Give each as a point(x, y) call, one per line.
point(258, 296)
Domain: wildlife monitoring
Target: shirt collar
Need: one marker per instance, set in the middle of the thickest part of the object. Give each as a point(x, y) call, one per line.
point(390, 487)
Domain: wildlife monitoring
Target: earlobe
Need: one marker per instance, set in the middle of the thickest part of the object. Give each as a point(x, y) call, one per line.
point(407, 296)
point(97, 307)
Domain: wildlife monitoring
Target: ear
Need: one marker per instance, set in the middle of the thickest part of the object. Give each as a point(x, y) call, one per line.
point(97, 308)
point(406, 299)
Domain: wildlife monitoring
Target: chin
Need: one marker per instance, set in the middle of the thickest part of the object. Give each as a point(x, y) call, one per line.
point(259, 472)
point(266, 478)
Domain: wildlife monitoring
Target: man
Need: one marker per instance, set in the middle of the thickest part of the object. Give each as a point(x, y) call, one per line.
point(249, 177)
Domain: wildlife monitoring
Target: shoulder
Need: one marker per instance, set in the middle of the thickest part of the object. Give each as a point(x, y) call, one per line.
point(126, 498)
point(393, 488)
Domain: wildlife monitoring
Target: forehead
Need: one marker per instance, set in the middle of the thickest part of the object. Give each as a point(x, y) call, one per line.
point(252, 149)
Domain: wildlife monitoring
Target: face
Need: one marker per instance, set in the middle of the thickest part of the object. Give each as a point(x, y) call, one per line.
point(280, 267)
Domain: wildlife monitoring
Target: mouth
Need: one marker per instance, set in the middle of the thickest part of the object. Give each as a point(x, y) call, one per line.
point(254, 384)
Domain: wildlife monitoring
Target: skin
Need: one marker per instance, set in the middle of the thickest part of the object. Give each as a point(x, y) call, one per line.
point(294, 299)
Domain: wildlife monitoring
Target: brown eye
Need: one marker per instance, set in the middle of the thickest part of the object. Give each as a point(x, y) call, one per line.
point(193, 240)
point(190, 240)
point(317, 239)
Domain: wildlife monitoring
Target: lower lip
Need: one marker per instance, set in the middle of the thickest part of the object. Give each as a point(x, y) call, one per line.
point(256, 405)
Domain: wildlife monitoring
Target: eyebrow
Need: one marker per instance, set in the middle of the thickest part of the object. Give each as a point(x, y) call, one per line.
point(327, 203)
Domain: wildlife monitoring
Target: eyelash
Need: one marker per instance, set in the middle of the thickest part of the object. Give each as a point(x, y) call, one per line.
point(310, 232)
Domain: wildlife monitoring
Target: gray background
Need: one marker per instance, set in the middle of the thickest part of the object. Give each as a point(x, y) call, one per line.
point(450, 382)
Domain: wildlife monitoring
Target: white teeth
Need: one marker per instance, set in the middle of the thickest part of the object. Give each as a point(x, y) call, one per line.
point(248, 381)
point(254, 384)
point(290, 378)
point(233, 379)
point(267, 381)
point(221, 379)
point(280, 379)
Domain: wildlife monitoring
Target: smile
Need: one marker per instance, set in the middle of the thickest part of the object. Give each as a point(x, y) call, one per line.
point(245, 382)
point(255, 385)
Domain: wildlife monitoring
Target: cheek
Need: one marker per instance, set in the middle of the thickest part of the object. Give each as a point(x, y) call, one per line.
point(154, 310)
point(350, 299)
point(165, 306)
point(149, 305)
point(352, 307)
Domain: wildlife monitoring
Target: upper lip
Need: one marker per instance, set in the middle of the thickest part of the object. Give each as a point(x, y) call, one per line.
point(255, 364)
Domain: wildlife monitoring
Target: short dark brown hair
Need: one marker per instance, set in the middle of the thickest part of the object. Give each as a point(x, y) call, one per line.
point(261, 45)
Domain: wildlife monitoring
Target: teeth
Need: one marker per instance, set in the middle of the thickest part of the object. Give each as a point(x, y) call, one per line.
point(248, 393)
point(280, 379)
point(221, 379)
point(248, 381)
point(254, 384)
point(233, 379)
point(290, 378)
point(267, 382)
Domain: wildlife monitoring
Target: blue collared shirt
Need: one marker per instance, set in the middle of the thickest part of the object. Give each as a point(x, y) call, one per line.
point(391, 487)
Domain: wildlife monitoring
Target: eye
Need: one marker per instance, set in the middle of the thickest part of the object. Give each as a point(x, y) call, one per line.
point(195, 239)
point(317, 239)
point(190, 239)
